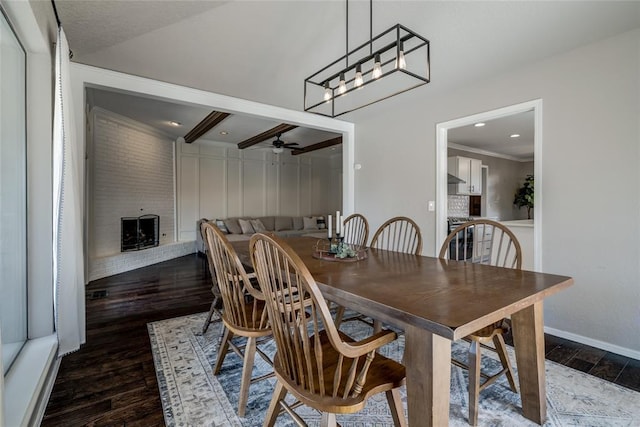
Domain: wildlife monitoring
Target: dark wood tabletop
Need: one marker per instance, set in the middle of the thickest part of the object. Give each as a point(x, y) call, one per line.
point(450, 298)
point(436, 301)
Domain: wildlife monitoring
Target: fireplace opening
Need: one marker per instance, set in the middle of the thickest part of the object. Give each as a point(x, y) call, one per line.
point(139, 232)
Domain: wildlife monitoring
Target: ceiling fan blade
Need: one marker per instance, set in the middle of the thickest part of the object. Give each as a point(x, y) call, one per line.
point(290, 144)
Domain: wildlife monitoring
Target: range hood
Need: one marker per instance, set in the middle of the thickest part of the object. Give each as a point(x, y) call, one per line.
point(452, 179)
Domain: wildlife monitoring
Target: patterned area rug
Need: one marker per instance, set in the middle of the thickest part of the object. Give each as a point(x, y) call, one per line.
point(192, 396)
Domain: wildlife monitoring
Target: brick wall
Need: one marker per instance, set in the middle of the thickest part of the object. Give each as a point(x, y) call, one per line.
point(132, 174)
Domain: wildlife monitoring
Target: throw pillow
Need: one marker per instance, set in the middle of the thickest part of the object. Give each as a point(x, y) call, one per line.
point(298, 224)
point(222, 226)
point(246, 226)
point(257, 225)
point(233, 226)
point(320, 222)
point(310, 223)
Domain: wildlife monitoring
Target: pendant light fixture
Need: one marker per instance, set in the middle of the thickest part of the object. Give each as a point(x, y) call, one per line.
point(394, 61)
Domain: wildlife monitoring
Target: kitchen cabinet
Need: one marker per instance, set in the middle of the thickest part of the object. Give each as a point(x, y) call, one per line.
point(470, 171)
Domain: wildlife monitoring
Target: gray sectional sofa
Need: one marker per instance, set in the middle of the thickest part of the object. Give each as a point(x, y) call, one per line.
point(284, 226)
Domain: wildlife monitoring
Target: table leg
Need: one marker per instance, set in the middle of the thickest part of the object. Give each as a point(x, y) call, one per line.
point(528, 339)
point(427, 358)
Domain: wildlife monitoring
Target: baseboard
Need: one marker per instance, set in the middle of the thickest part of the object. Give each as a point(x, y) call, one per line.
point(634, 354)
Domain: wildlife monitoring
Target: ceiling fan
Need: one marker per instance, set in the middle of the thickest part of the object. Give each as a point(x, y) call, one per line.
point(279, 145)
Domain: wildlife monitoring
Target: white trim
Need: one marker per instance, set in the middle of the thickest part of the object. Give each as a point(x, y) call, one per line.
point(441, 169)
point(634, 354)
point(488, 153)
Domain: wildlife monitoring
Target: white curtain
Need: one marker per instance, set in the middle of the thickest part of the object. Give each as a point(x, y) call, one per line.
point(68, 267)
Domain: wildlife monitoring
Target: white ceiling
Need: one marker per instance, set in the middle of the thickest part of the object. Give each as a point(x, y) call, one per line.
point(263, 50)
point(158, 113)
point(495, 137)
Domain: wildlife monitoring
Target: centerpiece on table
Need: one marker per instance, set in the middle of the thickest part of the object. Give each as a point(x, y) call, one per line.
point(334, 248)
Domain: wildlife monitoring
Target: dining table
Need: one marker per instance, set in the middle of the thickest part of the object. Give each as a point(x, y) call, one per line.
point(435, 302)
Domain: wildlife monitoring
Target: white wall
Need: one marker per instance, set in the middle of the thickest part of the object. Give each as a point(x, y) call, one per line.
point(216, 180)
point(131, 169)
point(590, 176)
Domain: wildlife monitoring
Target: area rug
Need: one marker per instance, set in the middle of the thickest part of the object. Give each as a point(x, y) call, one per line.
point(192, 396)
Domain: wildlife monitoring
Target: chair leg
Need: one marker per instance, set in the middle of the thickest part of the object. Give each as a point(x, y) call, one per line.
point(328, 419)
point(339, 316)
point(279, 394)
point(247, 367)
point(377, 326)
point(397, 410)
point(207, 322)
point(474, 381)
point(223, 350)
point(501, 349)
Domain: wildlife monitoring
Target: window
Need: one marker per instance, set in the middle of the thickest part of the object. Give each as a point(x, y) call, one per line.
point(13, 195)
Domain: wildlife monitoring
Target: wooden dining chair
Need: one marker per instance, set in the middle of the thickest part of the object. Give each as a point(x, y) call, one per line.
point(243, 311)
point(319, 365)
point(399, 234)
point(217, 298)
point(484, 242)
point(356, 233)
point(356, 230)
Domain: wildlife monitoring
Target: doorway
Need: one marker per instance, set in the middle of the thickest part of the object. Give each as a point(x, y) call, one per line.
point(442, 145)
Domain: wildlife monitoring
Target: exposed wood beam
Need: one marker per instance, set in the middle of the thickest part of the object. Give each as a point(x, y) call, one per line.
point(320, 145)
point(205, 126)
point(281, 128)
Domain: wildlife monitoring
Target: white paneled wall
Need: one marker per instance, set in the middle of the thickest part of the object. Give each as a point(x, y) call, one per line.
point(216, 180)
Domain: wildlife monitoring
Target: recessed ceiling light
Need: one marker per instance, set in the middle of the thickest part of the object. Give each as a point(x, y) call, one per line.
point(479, 125)
point(174, 123)
point(224, 132)
point(515, 135)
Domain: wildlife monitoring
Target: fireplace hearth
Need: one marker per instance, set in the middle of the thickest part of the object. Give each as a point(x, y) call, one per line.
point(139, 232)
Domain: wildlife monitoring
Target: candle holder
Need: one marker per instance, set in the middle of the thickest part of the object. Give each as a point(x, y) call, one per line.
point(336, 247)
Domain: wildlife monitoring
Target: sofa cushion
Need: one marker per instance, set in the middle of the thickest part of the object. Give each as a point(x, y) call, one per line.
point(321, 223)
point(269, 222)
point(298, 223)
point(310, 223)
point(257, 225)
point(222, 226)
point(233, 226)
point(246, 226)
point(283, 223)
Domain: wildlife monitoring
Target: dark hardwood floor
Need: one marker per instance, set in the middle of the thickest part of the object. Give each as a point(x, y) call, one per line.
point(112, 380)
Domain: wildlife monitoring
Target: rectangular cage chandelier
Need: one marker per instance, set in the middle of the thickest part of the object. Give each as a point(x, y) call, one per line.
point(393, 62)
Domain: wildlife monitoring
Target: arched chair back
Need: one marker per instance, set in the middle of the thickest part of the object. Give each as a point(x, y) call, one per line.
point(356, 230)
point(484, 242)
point(399, 234)
point(320, 366)
point(243, 312)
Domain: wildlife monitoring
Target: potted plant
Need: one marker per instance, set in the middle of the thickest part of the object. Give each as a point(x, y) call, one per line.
point(524, 195)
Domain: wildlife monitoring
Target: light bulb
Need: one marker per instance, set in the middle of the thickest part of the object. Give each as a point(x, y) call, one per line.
point(401, 62)
point(358, 80)
point(327, 91)
point(377, 67)
point(343, 86)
